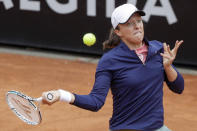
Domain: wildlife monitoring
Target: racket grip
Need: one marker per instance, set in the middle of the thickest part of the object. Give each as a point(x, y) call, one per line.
point(50, 97)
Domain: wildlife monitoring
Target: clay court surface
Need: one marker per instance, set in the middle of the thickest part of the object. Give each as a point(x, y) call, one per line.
point(33, 75)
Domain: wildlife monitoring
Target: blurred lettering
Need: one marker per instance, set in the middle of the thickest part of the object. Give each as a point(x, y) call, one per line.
point(30, 5)
point(150, 7)
point(8, 4)
point(60, 8)
point(91, 7)
point(165, 10)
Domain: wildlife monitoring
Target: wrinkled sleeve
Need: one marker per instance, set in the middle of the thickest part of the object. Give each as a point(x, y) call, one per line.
point(177, 85)
point(96, 99)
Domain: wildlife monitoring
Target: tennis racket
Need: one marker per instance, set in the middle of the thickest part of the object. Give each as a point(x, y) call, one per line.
point(24, 106)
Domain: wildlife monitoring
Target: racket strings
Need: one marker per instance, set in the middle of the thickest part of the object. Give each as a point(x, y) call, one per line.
point(23, 108)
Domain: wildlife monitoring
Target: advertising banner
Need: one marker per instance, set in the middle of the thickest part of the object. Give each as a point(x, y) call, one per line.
point(61, 24)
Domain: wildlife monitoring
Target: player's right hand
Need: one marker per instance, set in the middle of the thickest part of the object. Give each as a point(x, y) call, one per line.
point(50, 97)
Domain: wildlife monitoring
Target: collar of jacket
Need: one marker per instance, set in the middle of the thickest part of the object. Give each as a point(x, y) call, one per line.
point(153, 47)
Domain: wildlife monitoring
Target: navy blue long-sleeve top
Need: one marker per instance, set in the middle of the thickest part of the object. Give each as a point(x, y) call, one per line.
point(137, 88)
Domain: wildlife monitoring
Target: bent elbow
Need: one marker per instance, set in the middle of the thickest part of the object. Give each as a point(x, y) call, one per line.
point(180, 91)
point(97, 107)
point(181, 88)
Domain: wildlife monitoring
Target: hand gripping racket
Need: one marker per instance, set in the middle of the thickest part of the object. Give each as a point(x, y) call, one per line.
point(24, 107)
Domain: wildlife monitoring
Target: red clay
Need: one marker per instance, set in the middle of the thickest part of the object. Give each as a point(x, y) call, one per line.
point(33, 75)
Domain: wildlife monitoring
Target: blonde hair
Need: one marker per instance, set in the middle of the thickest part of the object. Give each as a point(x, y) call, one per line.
point(113, 40)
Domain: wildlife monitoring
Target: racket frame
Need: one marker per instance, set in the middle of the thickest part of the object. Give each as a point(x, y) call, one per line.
point(31, 100)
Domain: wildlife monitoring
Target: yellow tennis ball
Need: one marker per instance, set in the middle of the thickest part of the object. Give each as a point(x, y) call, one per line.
point(89, 39)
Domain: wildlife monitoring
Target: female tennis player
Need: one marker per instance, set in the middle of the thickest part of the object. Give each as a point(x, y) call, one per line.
point(134, 69)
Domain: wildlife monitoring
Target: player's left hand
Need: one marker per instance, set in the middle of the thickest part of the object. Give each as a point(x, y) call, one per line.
point(170, 55)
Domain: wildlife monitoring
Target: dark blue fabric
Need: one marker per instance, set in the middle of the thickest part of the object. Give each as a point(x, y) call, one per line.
point(137, 88)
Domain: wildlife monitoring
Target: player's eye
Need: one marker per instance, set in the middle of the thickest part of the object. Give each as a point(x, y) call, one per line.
point(139, 21)
point(133, 23)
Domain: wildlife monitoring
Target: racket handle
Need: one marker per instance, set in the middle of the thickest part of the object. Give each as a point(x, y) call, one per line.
point(50, 97)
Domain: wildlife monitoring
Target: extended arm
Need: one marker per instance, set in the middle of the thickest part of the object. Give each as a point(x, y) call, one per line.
point(93, 101)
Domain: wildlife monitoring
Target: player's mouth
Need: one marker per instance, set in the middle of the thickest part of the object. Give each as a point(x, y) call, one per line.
point(137, 33)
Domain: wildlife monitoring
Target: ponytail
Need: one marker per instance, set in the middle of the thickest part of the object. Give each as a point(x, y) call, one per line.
point(112, 41)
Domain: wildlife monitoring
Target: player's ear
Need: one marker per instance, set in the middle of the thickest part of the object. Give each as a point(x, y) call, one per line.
point(117, 31)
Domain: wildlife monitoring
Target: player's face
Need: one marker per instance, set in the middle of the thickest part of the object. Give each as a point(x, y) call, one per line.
point(132, 31)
